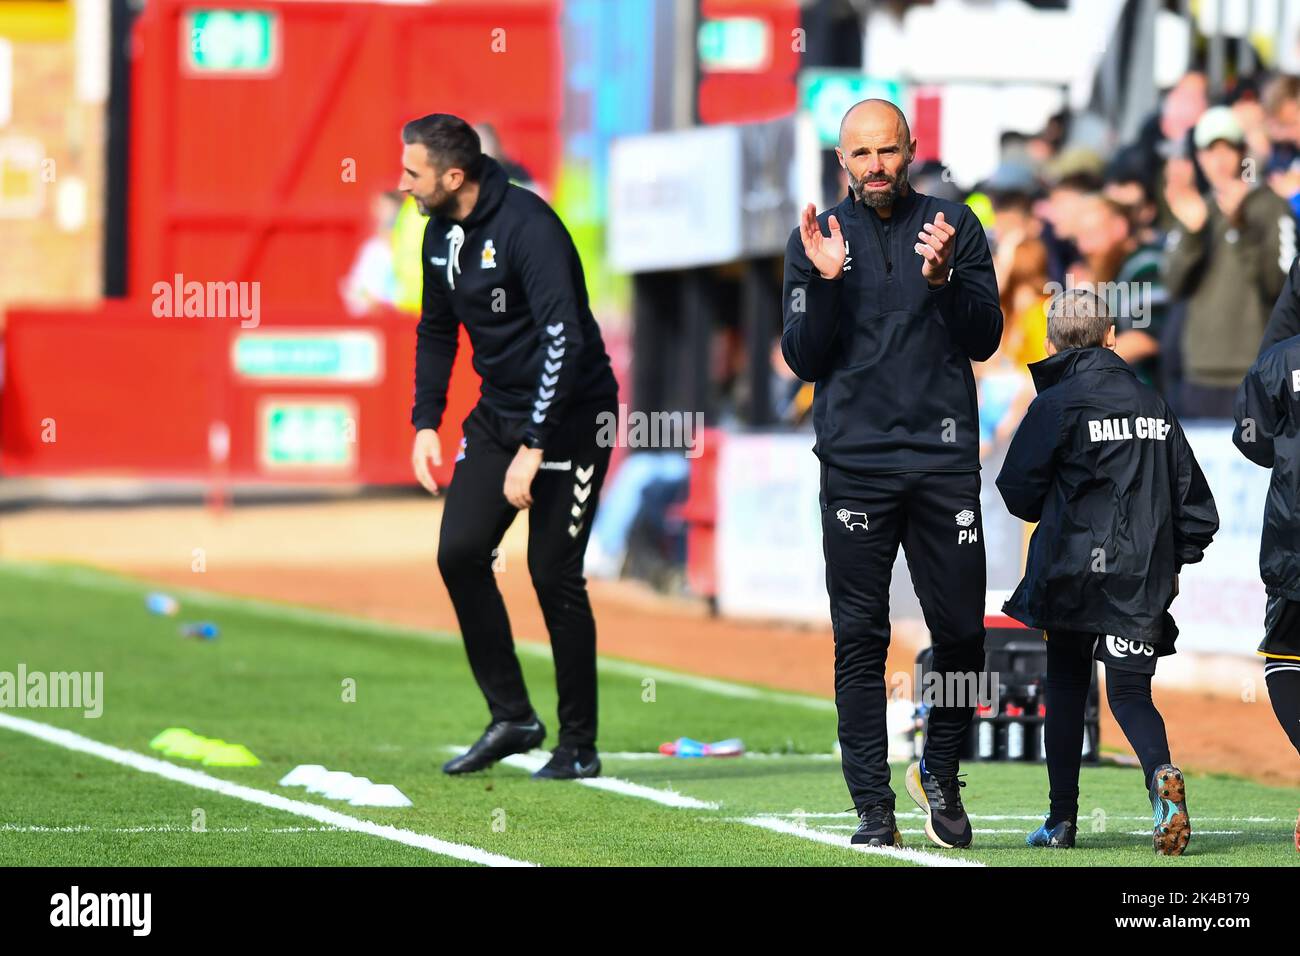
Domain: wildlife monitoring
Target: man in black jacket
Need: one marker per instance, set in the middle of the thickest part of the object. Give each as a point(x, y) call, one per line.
point(888, 298)
point(1101, 463)
point(1268, 433)
point(498, 261)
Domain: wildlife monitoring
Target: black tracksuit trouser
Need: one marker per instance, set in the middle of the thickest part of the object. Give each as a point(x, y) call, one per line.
point(474, 520)
point(936, 518)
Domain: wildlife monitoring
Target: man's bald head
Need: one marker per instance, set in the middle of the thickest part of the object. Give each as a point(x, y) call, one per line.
point(873, 112)
point(876, 147)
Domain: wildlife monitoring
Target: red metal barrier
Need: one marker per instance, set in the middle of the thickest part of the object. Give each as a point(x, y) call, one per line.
point(307, 396)
point(265, 174)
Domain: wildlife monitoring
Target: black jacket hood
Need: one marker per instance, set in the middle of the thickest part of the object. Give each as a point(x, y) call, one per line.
point(492, 186)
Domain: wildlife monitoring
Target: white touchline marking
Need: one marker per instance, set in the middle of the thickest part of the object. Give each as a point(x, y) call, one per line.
point(537, 759)
point(917, 814)
point(106, 581)
point(163, 828)
point(747, 755)
point(196, 778)
point(706, 684)
point(849, 826)
point(830, 839)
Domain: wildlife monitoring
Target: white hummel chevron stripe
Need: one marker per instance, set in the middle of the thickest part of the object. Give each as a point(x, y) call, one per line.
point(555, 329)
point(582, 493)
point(584, 476)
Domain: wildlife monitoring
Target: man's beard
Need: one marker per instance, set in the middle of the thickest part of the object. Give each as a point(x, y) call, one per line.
point(878, 199)
point(441, 204)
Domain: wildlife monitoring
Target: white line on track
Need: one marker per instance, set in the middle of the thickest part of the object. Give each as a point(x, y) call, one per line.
point(670, 798)
point(195, 778)
point(747, 755)
point(830, 839)
point(917, 814)
point(165, 828)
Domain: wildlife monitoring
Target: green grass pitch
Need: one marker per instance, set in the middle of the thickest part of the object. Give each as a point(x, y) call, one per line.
point(275, 681)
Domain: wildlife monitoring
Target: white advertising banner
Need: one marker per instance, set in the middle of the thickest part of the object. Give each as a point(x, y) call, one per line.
point(663, 190)
point(769, 535)
point(770, 561)
point(1220, 605)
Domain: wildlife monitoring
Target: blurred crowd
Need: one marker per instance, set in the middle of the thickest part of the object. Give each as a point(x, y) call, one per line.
point(1188, 232)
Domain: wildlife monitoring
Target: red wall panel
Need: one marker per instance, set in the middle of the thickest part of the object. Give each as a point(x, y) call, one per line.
point(133, 394)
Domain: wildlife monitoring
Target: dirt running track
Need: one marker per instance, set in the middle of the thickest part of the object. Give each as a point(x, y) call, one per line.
point(375, 559)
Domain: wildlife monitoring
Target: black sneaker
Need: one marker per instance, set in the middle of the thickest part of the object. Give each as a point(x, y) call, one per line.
point(877, 827)
point(570, 763)
point(501, 739)
point(1059, 837)
point(946, 823)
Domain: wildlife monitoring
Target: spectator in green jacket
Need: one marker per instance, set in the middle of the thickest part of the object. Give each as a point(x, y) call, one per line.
point(1227, 258)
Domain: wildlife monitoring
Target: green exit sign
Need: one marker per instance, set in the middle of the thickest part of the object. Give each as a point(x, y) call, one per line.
point(231, 41)
point(308, 435)
point(827, 95)
point(734, 44)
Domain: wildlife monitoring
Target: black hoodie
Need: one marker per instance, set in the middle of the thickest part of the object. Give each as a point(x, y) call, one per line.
point(1268, 433)
point(1101, 463)
point(511, 275)
point(891, 355)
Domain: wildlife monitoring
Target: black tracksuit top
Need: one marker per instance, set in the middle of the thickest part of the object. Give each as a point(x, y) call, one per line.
point(1103, 466)
point(1267, 411)
point(511, 275)
point(889, 354)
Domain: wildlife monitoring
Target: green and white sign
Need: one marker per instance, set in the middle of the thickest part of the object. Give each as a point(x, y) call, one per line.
point(307, 434)
point(828, 94)
point(231, 41)
point(736, 43)
point(346, 357)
